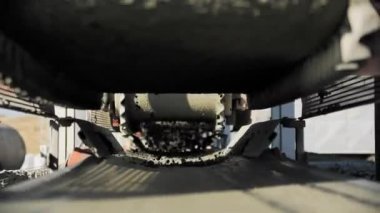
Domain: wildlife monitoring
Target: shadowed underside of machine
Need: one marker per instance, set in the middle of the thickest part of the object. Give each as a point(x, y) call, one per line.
point(180, 78)
point(72, 51)
point(182, 74)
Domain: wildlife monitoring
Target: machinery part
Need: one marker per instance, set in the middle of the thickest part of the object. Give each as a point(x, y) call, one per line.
point(256, 136)
point(169, 46)
point(179, 138)
point(100, 140)
point(12, 148)
point(241, 118)
point(169, 124)
point(169, 107)
point(101, 118)
point(298, 125)
point(250, 141)
point(145, 49)
point(261, 136)
point(176, 107)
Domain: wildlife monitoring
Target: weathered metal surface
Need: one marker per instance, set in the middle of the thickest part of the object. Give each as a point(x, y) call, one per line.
point(178, 107)
point(266, 184)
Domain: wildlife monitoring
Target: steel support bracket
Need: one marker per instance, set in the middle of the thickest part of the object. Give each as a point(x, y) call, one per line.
point(298, 125)
point(100, 140)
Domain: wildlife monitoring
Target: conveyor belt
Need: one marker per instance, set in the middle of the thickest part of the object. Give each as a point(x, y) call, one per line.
point(236, 185)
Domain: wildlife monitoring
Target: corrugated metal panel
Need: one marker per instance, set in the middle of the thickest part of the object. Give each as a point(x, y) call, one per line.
point(101, 118)
point(346, 93)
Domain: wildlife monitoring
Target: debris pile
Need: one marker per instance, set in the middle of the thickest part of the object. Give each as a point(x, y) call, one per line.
point(10, 177)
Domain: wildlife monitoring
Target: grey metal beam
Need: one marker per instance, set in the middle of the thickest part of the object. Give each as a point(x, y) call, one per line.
point(298, 125)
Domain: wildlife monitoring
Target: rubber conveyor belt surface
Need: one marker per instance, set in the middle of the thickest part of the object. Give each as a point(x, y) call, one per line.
point(235, 185)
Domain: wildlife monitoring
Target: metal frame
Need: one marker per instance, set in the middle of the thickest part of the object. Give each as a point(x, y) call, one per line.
point(299, 126)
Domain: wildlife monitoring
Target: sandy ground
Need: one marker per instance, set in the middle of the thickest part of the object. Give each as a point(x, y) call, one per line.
point(33, 129)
